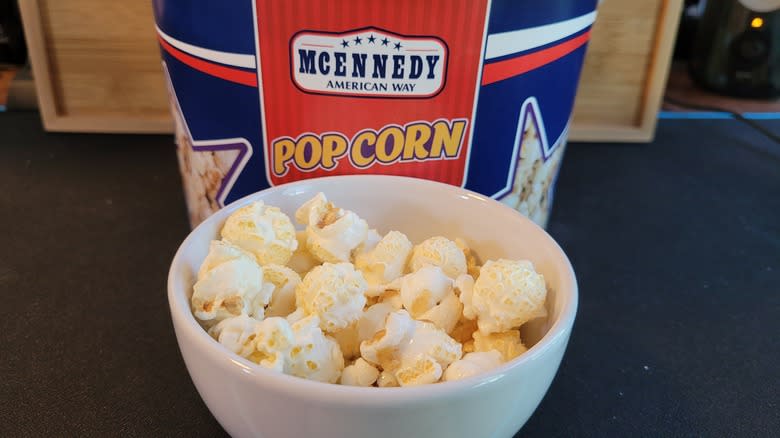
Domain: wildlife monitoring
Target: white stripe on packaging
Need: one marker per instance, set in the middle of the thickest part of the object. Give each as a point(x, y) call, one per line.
point(506, 43)
point(226, 58)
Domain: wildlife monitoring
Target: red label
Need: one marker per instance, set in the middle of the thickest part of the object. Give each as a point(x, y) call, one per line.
point(351, 87)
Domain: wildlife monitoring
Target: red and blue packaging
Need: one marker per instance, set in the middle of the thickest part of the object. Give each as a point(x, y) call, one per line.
point(476, 93)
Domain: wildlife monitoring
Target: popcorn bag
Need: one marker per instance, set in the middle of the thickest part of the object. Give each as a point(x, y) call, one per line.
point(476, 93)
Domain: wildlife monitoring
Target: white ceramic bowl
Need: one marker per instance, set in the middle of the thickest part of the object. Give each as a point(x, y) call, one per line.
point(248, 400)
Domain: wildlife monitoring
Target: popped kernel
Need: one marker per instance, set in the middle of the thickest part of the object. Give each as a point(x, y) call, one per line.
point(423, 289)
point(348, 341)
point(472, 364)
point(263, 231)
point(426, 355)
point(302, 261)
point(284, 281)
point(387, 379)
point(472, 261)
point(385, 260)
point(360, 373)
point(439, 251)
point(373, 320)
point(273, 340)
point(507, 294)
point(383, 347)
point(230, 283)
point(507, 343)
point(314, 355)
point(464, 330)
point(236, 333)
point(422, 370)
point(372, 239)
point(416, 352)
point(446, 314)
point(266, 343)
point(393, 298)
point(331, 233)
point(333, 292)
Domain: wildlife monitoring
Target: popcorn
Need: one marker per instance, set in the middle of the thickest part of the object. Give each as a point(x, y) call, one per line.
point(402, 315)
point(472, 364)
point(220, 252)
point(284, 281)
point(464, 330)
point(441, 252)
point(424, 289)
point(348, 341)
point(296, 316)
point(267, 342)
point(416, 352)
point(426, 355)
point(385, 261)
point(263, 231)
point(273, 340)
point(507, 343)
point(506, 295)
point(302, 261)
point(472, 262)
point(393, 298)
point(428, 339)
point(384, 346)
point(372, 321)
point(464, 285)
point(446, 314)
point(230, 283)
point(360, 373)
point(372, 239)
point(236, 333)
point(386, 379)
point(314, 355)
point(333, 292)
point(331, 233)
point(422, 370)
point(370, 300)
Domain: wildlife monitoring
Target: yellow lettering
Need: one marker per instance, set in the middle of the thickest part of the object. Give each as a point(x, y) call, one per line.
point(367, 138)
point(447, 138)
point(388, 145)
point(300, 152)
point(381, 144)
point(416, 137)
point(333, 146)
point(283, 152)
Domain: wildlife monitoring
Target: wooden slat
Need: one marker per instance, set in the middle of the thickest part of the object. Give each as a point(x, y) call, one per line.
point(625, 70)
point(36, 48)
point(97, 65)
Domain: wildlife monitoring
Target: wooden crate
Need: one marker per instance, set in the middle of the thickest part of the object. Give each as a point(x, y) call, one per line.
point(626, 66)
point(97, 67)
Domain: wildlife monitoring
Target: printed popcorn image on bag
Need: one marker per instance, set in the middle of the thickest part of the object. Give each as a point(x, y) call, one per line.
point(202, 175)
point(265, 93)
point(532, 190)
point(206, 169)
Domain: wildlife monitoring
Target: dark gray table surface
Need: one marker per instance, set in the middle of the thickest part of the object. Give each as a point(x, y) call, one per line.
point(676, 245)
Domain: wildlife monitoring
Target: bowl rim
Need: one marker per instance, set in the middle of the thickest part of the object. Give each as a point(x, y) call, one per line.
point(183, 318)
